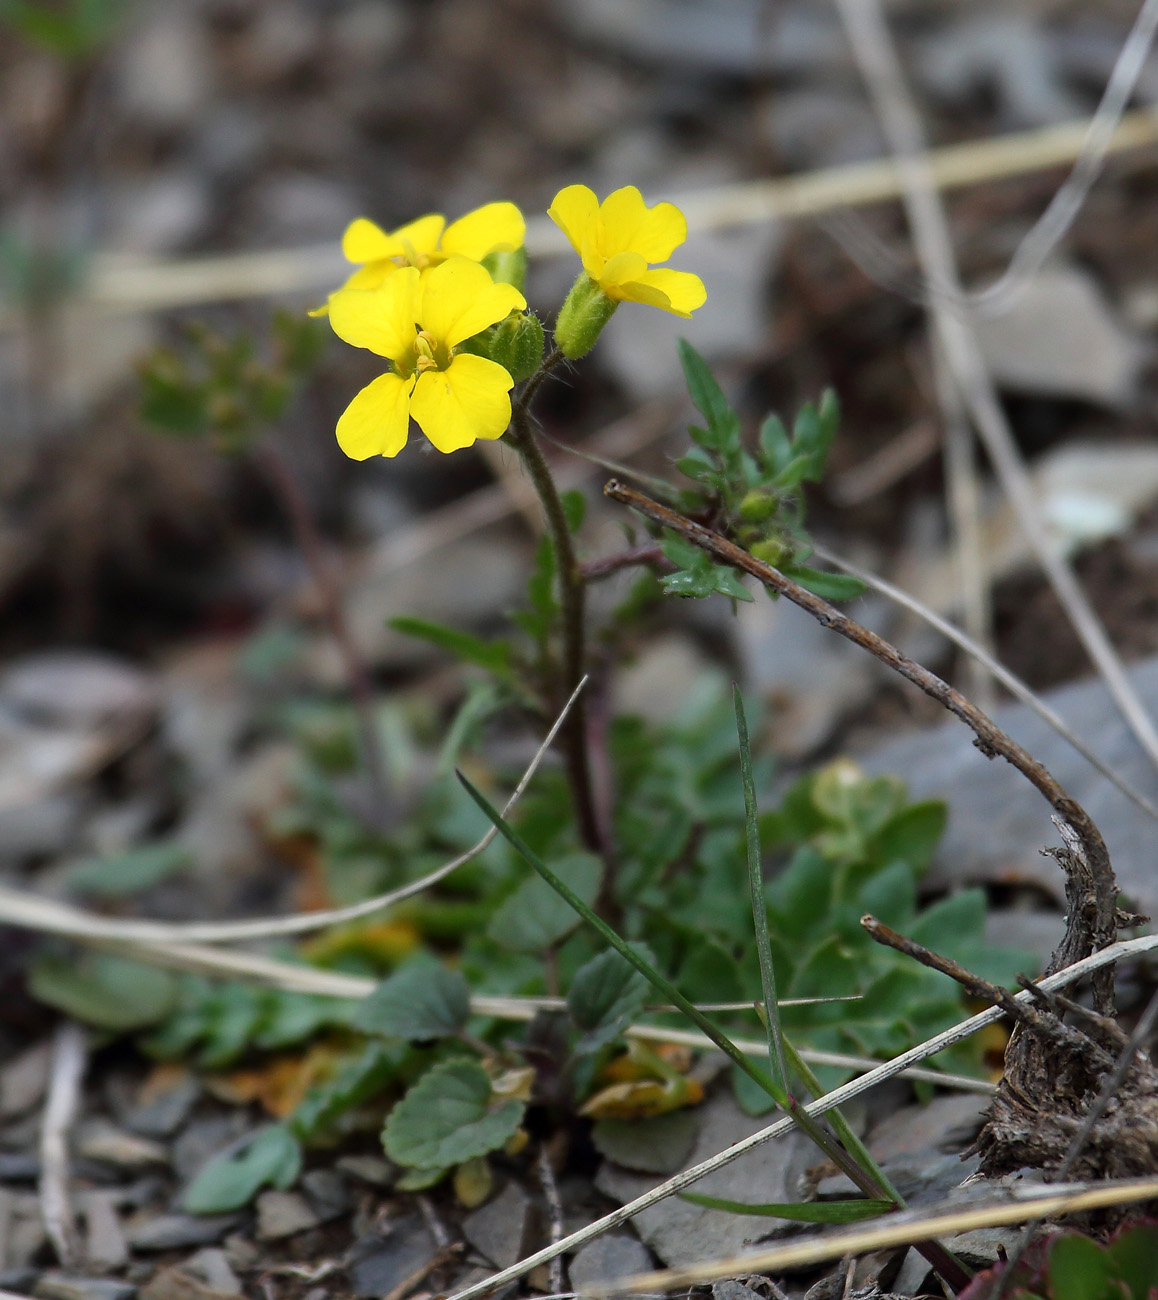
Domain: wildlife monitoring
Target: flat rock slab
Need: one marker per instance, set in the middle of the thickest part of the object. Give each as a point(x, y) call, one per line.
point(681, 1233)
point(998, 822)
point(608, 1259)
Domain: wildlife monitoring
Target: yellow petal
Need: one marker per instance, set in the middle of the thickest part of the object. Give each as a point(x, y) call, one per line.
point(684, 291)
point(373, 275)
point(379, 319)
point(422, 235)
point(364, 242)
point(574, 211)
point(628, 224)
point(623, 267)
point(377, 421)
point(468, 400)
point(638, 291)
point(459, 298)
point(493, 228)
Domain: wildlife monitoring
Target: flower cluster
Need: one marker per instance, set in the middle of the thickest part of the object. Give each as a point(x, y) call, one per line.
point(443, 304)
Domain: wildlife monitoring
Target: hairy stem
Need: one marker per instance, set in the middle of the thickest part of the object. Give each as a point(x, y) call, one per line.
point(572, 598)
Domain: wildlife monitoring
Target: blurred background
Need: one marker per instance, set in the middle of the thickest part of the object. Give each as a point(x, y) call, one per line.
point(173, 172)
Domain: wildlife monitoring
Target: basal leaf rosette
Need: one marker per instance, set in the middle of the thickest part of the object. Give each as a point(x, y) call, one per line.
point(619, 240)
point(419, 324)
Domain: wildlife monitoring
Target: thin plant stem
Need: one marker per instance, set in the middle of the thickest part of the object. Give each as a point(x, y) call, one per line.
point(297, 509)
point(759, 905)
point(938, 1256)
point(572, 598)
point(991, 740)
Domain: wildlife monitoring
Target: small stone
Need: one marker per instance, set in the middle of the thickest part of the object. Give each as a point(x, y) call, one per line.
point(946, 1124)
point(609, 1259)
point(19, 1167)
point(18, 1280)
point(212, 1264)
point(377, 1264)
point(679, 1232)
point(64, 1286)
point(76, 689)
point(105, 1245)
point(500, 1230)
point(164, 1102)
point(282, 1214)
point(100, 1140)
point(370, 1169)
point(241, 1253)
point(172, 1231)
point(1059, 338)
point(203, 1139)
point(178, 1284)
point(327, 1192)
point(23, 1081)
point(730, 1289)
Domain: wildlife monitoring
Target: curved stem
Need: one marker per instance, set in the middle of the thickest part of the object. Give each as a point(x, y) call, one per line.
point(572, 593)
point(1089, 874)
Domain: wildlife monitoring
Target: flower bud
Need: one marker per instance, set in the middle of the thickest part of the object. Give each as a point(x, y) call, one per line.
point(507, 267)
point(757, 506)
point(771, 552)
point(582, 316)
point(517, 344)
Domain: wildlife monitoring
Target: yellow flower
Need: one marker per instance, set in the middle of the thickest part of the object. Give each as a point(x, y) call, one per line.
point(418, 322)
point(493, 228)
point(618, 240)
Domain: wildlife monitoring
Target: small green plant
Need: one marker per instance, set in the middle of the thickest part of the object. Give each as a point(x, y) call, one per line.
point(1070, 1266)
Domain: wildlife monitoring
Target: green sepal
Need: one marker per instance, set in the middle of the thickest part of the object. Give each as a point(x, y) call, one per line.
point(581, 319)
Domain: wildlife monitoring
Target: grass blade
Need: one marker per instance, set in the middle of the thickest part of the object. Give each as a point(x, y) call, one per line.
point(797, 1211)
point(816, 1131)
point(759, 906)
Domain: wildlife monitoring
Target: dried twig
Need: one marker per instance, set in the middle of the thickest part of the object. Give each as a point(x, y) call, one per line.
point(1049, 1028)
point(69, 1060)
point(880, 66)
point(558, 1278)
point(991, 740)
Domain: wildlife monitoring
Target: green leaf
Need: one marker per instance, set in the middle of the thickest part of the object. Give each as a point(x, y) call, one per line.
point(108, 992)
point(534, 917)
point(422, 1000)
point(705, 393)
point(793, 474)
point(360, 1078)
point(798, 1211)
point(238, 1013)
point(828, 586)
point(118, 874)
point(418, 1180)
point(230, 1180)
point(574, 505)
point(777, 1068)
point(911, 835)
point(605, 996)
point(775, 443)
point(494, 656)
point(449, 1116)
point(1079, 1269)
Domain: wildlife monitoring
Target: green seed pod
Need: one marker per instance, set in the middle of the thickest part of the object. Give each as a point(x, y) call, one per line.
point(757, 506)
point(771, 551)
point(508, 268)
point(581, 318)
point(517, 344)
